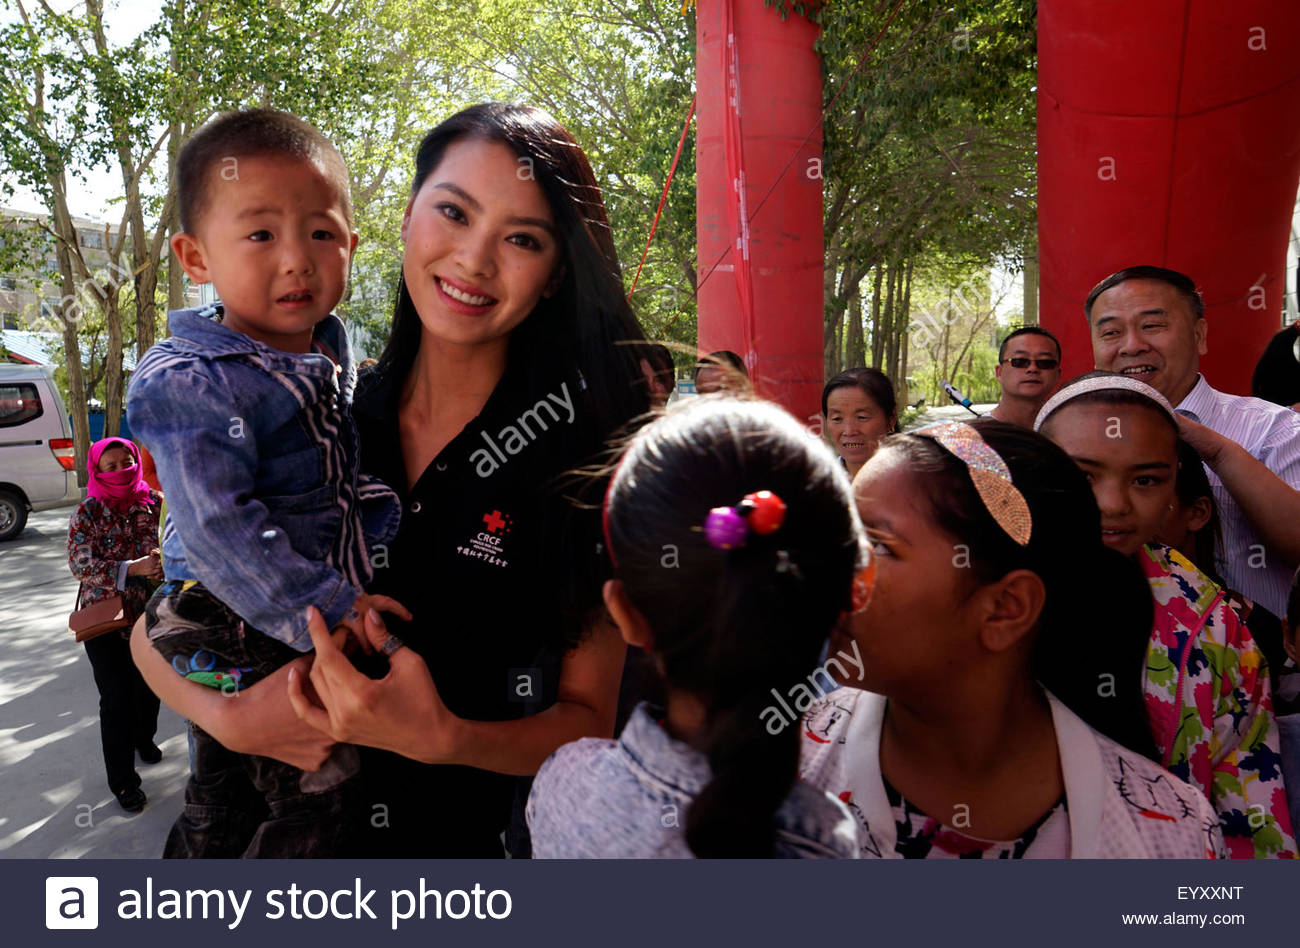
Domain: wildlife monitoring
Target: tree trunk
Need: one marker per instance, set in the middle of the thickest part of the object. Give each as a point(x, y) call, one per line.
point(113, 363)
point(833, 315)
point(70, 316)
point(945, 348)
point(900, 380)
point(856, 345)
point(171, 225)
point(896, 323)
point(831, 336)
point(1031, 286)
point(831, 346)
point(881, 330)
point(875, 316)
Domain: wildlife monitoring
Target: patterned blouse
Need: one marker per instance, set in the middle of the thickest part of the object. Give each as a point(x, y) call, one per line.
point(102, 541)
point(921, 836)
point(1117, 804)
point(1210, 706)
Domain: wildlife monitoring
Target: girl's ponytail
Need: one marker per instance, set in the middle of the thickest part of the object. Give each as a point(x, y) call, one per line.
point(753, 772)
point(732, 626)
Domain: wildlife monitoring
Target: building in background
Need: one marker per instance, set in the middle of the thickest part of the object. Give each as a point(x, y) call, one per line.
point(30, 329)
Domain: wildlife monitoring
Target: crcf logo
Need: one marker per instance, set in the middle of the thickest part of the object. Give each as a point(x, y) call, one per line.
point(489, 543)
point(497, 522)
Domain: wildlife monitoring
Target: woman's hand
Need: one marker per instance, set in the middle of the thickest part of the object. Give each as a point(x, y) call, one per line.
point(148, 566)
point(401, 712)
point(260, 720)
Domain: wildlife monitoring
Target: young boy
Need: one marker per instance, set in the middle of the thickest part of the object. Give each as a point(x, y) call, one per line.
point(246, 412)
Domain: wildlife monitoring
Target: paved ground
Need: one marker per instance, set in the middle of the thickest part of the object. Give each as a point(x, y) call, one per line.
point(932, 416)
point(54, 802)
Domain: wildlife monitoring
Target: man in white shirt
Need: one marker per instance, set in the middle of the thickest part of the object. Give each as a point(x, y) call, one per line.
point(1149, 323)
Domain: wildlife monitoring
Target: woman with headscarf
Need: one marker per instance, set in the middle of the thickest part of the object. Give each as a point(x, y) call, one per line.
point(113, 550)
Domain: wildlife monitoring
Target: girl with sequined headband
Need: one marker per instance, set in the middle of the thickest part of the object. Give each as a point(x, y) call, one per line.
point(735, 549)
point(983, 732)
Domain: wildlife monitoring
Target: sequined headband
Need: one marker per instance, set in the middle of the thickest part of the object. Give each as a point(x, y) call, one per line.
point(1101, 383)
point(990, 475)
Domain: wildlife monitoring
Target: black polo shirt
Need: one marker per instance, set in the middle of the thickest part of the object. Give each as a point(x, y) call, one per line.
point(489, 557)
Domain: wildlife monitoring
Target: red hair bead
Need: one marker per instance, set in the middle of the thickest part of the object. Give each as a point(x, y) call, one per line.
point(767, 511)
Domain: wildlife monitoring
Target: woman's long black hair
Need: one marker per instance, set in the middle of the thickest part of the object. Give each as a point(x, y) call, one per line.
point(587, 323)
point(1096, 624)
point(730, 626)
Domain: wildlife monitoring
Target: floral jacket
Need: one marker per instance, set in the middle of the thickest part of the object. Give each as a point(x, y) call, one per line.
point(102, 541)
point(1211, 707)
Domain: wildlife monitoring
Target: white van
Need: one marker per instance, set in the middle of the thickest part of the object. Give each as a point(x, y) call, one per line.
point(36, 449)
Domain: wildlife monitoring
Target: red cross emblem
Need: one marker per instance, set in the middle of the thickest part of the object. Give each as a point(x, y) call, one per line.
point(495, 521)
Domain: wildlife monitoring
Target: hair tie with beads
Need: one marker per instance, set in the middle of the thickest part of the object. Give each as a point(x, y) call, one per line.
point(760, 512)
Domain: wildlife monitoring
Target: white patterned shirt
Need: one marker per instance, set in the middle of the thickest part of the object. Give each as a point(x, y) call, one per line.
point(1119, 804)
point(1272, 434)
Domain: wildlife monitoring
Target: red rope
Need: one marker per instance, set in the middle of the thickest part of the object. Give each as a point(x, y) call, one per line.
point(862, 61)
point(663, 198)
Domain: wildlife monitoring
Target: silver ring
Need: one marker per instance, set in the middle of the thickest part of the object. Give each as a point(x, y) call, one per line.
point(391, 645)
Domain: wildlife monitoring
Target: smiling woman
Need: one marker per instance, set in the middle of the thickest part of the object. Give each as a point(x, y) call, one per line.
point(859, 408)
point(510, 315)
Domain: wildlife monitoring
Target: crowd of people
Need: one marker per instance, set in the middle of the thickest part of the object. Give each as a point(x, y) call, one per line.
point(490, 596)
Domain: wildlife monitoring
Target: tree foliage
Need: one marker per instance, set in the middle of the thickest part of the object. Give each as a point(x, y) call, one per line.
point(929, 146)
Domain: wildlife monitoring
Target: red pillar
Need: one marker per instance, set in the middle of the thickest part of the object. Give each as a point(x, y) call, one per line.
point(759, 197)
point(1169, 134)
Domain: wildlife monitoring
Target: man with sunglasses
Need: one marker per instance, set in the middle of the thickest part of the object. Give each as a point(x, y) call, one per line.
point(1148, 323)
point(1029, 368)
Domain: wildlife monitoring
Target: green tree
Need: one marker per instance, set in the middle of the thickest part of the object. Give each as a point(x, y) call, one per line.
point(88, 103)
point(929, 150)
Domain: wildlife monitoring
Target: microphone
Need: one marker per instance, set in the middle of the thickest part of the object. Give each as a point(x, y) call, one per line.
point(955, 394)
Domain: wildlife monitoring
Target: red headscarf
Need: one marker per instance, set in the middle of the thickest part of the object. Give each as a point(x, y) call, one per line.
point(116, 489)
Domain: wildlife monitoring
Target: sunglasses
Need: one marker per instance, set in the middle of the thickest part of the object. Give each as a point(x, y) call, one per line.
point(1022, 363)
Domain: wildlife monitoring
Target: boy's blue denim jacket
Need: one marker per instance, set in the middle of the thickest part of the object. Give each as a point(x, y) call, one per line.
point(627, 799)
point(257, 456)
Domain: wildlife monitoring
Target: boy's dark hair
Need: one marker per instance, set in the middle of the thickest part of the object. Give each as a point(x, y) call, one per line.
point(1065, 550)
point(1027, 331)
point(1179, 281)
point(249, 133)
point(732, 626)
point(873, 382)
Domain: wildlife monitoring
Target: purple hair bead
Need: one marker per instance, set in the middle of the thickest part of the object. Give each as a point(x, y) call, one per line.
point(725, 528)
